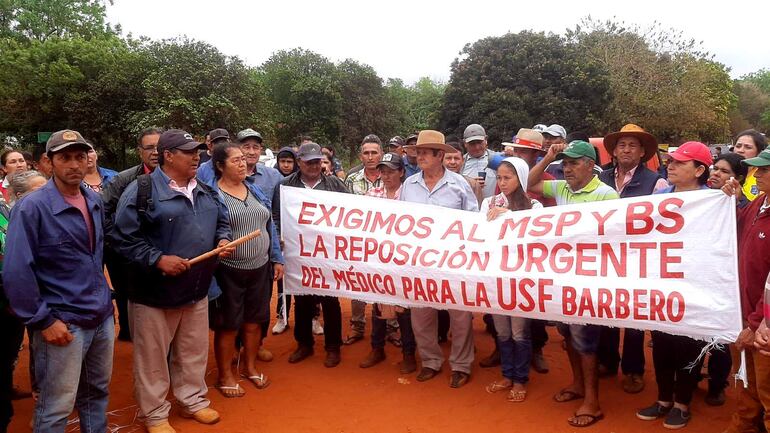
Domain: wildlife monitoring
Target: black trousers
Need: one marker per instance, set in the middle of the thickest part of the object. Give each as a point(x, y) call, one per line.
point(538, 334)
point(632, 361)
point(671, 355)
point(13, 331)
point(304, 311)
point(719, 366)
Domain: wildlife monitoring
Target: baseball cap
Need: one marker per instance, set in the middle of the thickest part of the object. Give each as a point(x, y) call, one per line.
point(246, 133)
point(391, 160)
point(65, 138)
point(309, 152)
point(578, 149)
point(411, 137)
point(693, 151)
point(556, 131)
point(474, 132)
point(177, 139)
point(761, 160)
point(218, 134)
point(396, 141)
point(540, 127)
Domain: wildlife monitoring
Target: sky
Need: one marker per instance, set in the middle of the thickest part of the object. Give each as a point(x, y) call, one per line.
point(413, 39)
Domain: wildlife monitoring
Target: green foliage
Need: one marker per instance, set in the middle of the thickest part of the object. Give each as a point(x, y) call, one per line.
point(753, 109)
point(39, 20)
point(659, 80)
point(518, 80)
point(304, 95)
point(415, 107)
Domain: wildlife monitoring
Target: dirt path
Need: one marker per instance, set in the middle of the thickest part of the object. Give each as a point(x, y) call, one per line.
point(307, 397)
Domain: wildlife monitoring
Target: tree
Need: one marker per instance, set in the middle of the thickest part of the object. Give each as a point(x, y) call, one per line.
point(193, 86)
point(39, 20)
point(302, 89)
point(659, 80)
point(753, 108)
point(415, 107)
point(518, 80)
point(364, 108)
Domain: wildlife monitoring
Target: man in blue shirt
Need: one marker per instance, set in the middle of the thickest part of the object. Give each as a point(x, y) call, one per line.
point(54, 282)
point(266, 178)
point(440, 187)
point(168, 311)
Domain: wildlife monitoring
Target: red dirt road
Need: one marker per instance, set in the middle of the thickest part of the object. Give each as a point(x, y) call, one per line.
point(307, 397)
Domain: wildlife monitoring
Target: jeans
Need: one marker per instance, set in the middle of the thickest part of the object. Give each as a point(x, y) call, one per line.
point(538, 333)
point(379, 329)
point(515, 346)
point(75, 375)
point(583, 338)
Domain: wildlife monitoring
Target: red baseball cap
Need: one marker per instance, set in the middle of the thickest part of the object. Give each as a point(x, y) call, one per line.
point(693, 151)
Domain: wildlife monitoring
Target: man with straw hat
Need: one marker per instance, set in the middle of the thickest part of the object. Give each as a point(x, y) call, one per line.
point(630, 148)
point(438, 186)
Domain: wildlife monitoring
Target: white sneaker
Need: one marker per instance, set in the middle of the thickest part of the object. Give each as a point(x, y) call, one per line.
point(280, 326)
point(318, 329)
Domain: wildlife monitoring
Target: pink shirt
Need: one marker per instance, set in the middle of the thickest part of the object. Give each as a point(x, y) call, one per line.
point(186, 190)
point(382, 193)
point(621, 183)
point(79, 202)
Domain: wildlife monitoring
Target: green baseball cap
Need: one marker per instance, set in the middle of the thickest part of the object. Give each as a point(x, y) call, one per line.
point(761, 160)
point(578, 149)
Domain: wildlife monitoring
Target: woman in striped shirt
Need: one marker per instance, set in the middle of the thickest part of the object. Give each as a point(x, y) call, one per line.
point(246, 277)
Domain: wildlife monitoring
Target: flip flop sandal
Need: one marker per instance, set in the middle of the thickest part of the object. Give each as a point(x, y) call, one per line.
point(566, 395)
point(230, 391)
point(496, 386)
point(517, 396)
point(260, 380)
point(592, 419)
point(352, 339)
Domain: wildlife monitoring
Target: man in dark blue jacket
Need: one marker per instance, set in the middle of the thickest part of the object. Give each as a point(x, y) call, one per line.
point(168, 311)
point(54, 282)
point(630, 148)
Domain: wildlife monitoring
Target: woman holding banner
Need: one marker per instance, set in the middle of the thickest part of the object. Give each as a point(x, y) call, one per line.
point(673, 355)
point(753, 269)
point(513, 337)
point(246, 278)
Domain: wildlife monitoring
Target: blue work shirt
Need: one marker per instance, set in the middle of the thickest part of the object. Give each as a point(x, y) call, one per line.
point(410, 169)
point(49, 270)
point(266, 178)
point(451, 191)
point(172, 226)
point(106, 174)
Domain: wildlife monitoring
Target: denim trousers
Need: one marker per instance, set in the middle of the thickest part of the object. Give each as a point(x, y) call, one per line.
point(515, 346)
point(74, 376)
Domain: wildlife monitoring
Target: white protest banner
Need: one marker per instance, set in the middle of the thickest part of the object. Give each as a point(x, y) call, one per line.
point(663, 262)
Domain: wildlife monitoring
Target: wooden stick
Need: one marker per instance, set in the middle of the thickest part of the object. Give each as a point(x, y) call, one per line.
point(216, 251)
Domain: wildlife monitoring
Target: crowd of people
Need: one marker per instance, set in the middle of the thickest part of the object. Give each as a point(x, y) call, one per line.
point(64, 218)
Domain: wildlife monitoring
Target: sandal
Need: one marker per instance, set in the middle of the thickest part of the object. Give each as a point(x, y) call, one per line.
point(230, 391)
point(352, 338)
point(574, 421)
point(260, 381)
point(566, 395)
point(497, 386)
point(517, 396)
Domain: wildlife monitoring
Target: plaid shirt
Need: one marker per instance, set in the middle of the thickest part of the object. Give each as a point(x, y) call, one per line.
point(381, 193)
point(358, 184)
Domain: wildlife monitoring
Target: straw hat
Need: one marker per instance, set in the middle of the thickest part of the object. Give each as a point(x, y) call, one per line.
point(648, 141)
point(429, 139)
point(528, 139)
